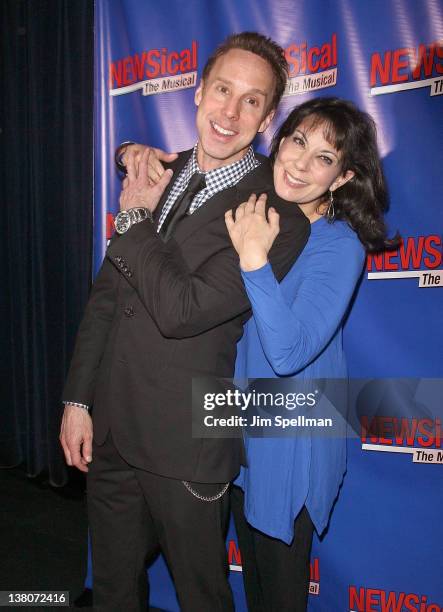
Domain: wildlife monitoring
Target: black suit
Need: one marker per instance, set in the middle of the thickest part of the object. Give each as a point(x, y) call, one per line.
point(162, 313)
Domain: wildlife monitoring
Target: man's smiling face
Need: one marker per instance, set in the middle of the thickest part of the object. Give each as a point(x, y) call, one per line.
point(233, 105)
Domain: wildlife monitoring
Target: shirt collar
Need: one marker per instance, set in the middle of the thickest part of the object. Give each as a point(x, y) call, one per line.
point(227, 175)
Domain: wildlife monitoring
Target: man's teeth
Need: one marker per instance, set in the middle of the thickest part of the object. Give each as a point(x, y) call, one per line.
point(222, 131)
point(293, 181)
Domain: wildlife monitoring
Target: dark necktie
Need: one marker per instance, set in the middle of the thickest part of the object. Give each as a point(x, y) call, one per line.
point(182, 204)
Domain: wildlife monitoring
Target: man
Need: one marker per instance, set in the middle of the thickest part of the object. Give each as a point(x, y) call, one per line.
point(168, 305)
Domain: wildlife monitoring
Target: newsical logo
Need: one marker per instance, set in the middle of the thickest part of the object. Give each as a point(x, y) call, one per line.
point(365, 599)
point(311, 67)
point(420, 437)
point(156, 71)
point(406, 68)
point(402, 416)
point(417, 257)
point(234, 556)
point(314, 577)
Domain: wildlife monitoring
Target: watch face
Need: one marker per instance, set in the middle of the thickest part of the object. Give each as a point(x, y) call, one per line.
point(122, 222)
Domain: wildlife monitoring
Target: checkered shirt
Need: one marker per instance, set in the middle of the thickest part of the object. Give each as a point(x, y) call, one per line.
point(216, 180)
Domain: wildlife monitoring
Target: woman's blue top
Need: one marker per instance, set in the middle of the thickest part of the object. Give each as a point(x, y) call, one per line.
point(297, 330)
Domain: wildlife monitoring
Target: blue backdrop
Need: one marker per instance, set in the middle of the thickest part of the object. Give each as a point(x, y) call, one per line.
point(383, 547)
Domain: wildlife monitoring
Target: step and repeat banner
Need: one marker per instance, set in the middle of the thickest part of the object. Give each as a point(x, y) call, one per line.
point(383, 548)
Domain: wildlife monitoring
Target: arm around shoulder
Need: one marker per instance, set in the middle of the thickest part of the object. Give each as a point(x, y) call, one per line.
point(292, 238)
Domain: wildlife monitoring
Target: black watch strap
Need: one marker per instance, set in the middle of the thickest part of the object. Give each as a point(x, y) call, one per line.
point(118, 156)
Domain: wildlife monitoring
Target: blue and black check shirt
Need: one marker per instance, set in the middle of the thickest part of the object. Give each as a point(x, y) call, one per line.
point(216, 180)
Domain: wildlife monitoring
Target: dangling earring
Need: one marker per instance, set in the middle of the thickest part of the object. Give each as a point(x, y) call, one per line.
point(330, 213)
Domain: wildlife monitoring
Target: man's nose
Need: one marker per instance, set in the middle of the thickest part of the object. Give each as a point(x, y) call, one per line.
point(232, 108)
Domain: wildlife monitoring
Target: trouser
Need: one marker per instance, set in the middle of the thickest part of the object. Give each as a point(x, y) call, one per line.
point(275, 575)
point(134, 513)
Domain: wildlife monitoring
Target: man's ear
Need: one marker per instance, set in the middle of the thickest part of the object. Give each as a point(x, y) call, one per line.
point(198, 93)
point(266, 121)
point(341, 180)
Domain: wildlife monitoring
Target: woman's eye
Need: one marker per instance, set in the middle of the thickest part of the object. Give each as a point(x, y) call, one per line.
point(326, 160)
point(298, 141)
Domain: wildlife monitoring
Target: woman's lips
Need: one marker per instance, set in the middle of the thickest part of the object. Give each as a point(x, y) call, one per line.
point(293, 181)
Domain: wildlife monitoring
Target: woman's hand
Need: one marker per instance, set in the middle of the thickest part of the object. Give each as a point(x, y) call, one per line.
point(133, 155)
point(251, 233)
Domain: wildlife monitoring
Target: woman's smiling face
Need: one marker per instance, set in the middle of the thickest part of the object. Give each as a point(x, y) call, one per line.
point(307, 166)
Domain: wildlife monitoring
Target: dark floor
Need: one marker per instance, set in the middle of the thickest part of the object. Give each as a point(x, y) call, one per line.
point(43, 543)
point(43, 535)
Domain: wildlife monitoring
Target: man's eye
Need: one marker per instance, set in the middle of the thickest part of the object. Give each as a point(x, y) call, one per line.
point(222, 89)
point(252, 101)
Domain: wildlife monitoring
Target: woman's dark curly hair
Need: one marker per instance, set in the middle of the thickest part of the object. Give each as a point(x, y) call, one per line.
point(361, 201)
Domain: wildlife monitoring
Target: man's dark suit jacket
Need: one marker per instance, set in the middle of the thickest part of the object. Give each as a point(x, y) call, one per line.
point(160, 314)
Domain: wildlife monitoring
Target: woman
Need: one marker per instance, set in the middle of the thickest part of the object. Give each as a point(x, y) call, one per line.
point(325, 161)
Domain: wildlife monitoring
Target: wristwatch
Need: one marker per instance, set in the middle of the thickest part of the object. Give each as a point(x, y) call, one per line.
point(127, 218)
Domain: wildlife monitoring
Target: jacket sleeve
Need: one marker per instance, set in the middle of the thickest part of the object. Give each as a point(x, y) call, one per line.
point(294, 331)
point(92, 337)
point(185, 303)
point(95, 327)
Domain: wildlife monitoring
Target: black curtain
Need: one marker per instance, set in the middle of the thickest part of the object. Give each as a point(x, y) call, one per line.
point(45, 218)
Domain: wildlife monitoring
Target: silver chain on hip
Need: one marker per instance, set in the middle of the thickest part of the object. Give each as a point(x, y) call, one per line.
point(206, 498)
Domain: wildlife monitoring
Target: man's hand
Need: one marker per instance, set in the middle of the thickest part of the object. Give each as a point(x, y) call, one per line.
point(134, 152)
point(138, 189)
point(251, 233)
point(76, 437)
